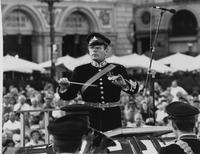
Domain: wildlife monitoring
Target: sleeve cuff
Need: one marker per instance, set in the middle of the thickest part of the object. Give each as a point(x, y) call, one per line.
point(62, 90)
point(132, 86)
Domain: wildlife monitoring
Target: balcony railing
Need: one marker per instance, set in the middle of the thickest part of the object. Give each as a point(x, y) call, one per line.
point(46, 123)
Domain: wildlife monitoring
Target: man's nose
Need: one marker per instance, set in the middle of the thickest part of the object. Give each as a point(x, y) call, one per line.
point(94, 50)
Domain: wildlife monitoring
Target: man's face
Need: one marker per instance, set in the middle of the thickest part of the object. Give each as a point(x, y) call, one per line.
point(97, 52)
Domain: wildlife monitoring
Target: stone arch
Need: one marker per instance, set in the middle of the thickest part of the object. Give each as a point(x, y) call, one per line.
point(87, 12)
point(37, 24)
point(24, 40)
point(183, 23)
point(167, 19)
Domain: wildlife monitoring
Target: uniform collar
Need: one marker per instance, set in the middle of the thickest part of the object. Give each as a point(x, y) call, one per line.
point(99, 65)
point(187, 136)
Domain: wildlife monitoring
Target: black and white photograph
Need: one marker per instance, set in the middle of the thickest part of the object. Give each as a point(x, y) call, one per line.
point(100, 76)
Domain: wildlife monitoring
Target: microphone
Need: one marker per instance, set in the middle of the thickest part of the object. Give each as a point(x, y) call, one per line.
point(165, 9)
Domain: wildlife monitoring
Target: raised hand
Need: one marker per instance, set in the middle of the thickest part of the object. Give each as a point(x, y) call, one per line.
point(118, 80)
point(63, 83)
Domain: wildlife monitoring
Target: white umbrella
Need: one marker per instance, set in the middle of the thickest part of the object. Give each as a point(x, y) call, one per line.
point(142, 61)
point(196, 65)
point(82, 60)
point(11, 63)
point(179, 62)
point(115, 59)
point(67, 61)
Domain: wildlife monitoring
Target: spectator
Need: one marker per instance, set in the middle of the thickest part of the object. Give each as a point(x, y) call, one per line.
point(12, 126)
point(7, 106)
point(161, 113)
point(145, 110)
point(16, 139)
point(35, 139)
point(4, 138)
point(129, 111)
point(21, 104)
point(139, 122)
point(48, 101)
point(35, 106)
point(176, 90)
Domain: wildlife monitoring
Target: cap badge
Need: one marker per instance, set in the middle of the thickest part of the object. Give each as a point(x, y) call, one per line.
point(93, 39)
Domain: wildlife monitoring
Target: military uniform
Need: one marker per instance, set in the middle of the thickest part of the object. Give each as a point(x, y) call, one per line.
point(182, 111)
point(105, 92)
point(190, 139)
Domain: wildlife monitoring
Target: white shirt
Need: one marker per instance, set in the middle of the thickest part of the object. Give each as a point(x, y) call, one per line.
point(9, 125)
point(32, 143)
point(20, 107)
point(175, 90)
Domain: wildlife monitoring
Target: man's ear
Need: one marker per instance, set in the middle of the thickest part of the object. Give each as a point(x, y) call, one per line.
point(107, 49)
point(174, 125)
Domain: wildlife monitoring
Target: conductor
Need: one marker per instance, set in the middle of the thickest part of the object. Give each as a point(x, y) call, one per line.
point(102, 86)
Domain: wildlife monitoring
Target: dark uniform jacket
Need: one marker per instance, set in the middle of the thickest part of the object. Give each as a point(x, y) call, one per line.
point(104, 92)
point(191, 140)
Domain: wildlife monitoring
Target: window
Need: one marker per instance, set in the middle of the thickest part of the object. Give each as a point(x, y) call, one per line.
point(183, 23)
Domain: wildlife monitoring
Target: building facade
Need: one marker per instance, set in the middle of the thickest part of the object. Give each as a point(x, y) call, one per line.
point(178, 32)
point(26, 27)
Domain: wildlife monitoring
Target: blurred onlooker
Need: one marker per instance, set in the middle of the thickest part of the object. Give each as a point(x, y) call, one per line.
point(5, 117)
point(35, 106)
point(157, 88)
point(175, 90)
point(161, 113)
point(48, 101)
point(16, 139)
point(138, 120)
point(11, 126)
point(21, 104)
point(196, 101)
point(4, 138)
point(124, 97)
point(146, 111)
point(35, 138)
point(129, 111)
point(7, 104)
point(48, 87)
point(34, 122)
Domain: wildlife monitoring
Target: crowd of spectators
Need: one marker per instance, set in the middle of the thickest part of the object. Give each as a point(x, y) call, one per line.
point(140, 110)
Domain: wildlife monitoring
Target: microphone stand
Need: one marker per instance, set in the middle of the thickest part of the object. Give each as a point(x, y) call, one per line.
point(150, 73)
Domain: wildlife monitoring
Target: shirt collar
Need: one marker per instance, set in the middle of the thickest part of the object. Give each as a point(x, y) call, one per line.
point(99, 65)
point(188, 136)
